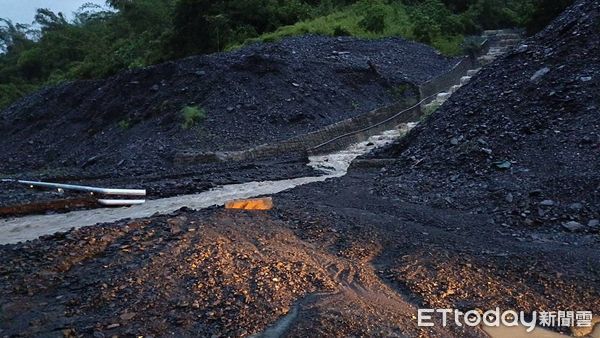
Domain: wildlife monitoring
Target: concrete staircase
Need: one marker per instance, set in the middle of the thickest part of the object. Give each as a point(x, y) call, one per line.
point(499, 42)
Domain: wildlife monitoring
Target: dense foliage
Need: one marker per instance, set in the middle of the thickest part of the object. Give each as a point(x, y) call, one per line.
point(136, 33)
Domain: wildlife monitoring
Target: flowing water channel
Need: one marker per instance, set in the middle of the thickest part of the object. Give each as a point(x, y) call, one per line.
point(14, 230)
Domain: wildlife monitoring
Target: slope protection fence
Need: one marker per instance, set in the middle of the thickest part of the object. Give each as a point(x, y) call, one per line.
point(344, 133)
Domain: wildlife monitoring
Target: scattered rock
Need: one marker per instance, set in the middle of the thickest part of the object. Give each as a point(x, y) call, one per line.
point(522, 48)
point(535, 192)
point(576, 206)
point(127, 316)
point(539, 74)
point(503, 164)
point(573, 226)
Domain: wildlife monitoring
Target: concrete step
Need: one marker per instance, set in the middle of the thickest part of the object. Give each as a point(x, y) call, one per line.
point(509, 42)
point(493, 32)
point(484, 60)
point(473, 72)
point(454, 88)
point(441, 97)
point(510, 36)
point(500, 32)
point(498, 50)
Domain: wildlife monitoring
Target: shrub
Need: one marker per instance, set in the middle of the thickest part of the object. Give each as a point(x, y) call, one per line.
point(374, 20)
point(425, 29)
point(192, 115)
point(340, 31)
point(125, 124)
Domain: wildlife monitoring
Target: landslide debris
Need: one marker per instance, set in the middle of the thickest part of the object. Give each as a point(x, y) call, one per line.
point(203, 274)
point(135, 121)
point(521, 141)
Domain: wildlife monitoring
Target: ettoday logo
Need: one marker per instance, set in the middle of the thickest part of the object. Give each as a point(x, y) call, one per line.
point(497, 318)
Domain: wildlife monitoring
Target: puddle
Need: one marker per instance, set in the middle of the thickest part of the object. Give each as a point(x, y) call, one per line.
point(14, 230)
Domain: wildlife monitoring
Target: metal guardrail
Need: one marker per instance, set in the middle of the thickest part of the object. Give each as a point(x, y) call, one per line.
point(88, 189)
point(116, 203)
point(104, 191)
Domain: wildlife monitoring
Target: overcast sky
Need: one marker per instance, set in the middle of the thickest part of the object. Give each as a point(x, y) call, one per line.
point(23, 11)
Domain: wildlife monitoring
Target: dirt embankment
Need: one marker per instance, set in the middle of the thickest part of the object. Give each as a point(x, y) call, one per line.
point(259, 94)
point(125, 130)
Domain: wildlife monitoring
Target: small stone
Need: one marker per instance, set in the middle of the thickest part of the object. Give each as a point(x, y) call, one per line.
point(594, 223)
point(503, 164)
point(539, 74)
point(113, 326)
point(547, 203)
point(522, 48)
point(576, 206)
point(535, 192)
point(127, 316)
point(454, 141)
point(509, 198)
point(230, 109)
point(98, 334)
point(573, 226)
point(68, 333)
point(585, 78)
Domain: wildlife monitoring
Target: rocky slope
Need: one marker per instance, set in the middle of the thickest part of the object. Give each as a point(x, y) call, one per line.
point(259, 94)
point(521, 141)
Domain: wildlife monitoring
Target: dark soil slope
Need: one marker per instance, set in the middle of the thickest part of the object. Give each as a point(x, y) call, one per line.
point(522, 140)
point(259, 94)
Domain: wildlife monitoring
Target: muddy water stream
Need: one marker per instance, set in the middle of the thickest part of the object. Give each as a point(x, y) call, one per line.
point(13, 230)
